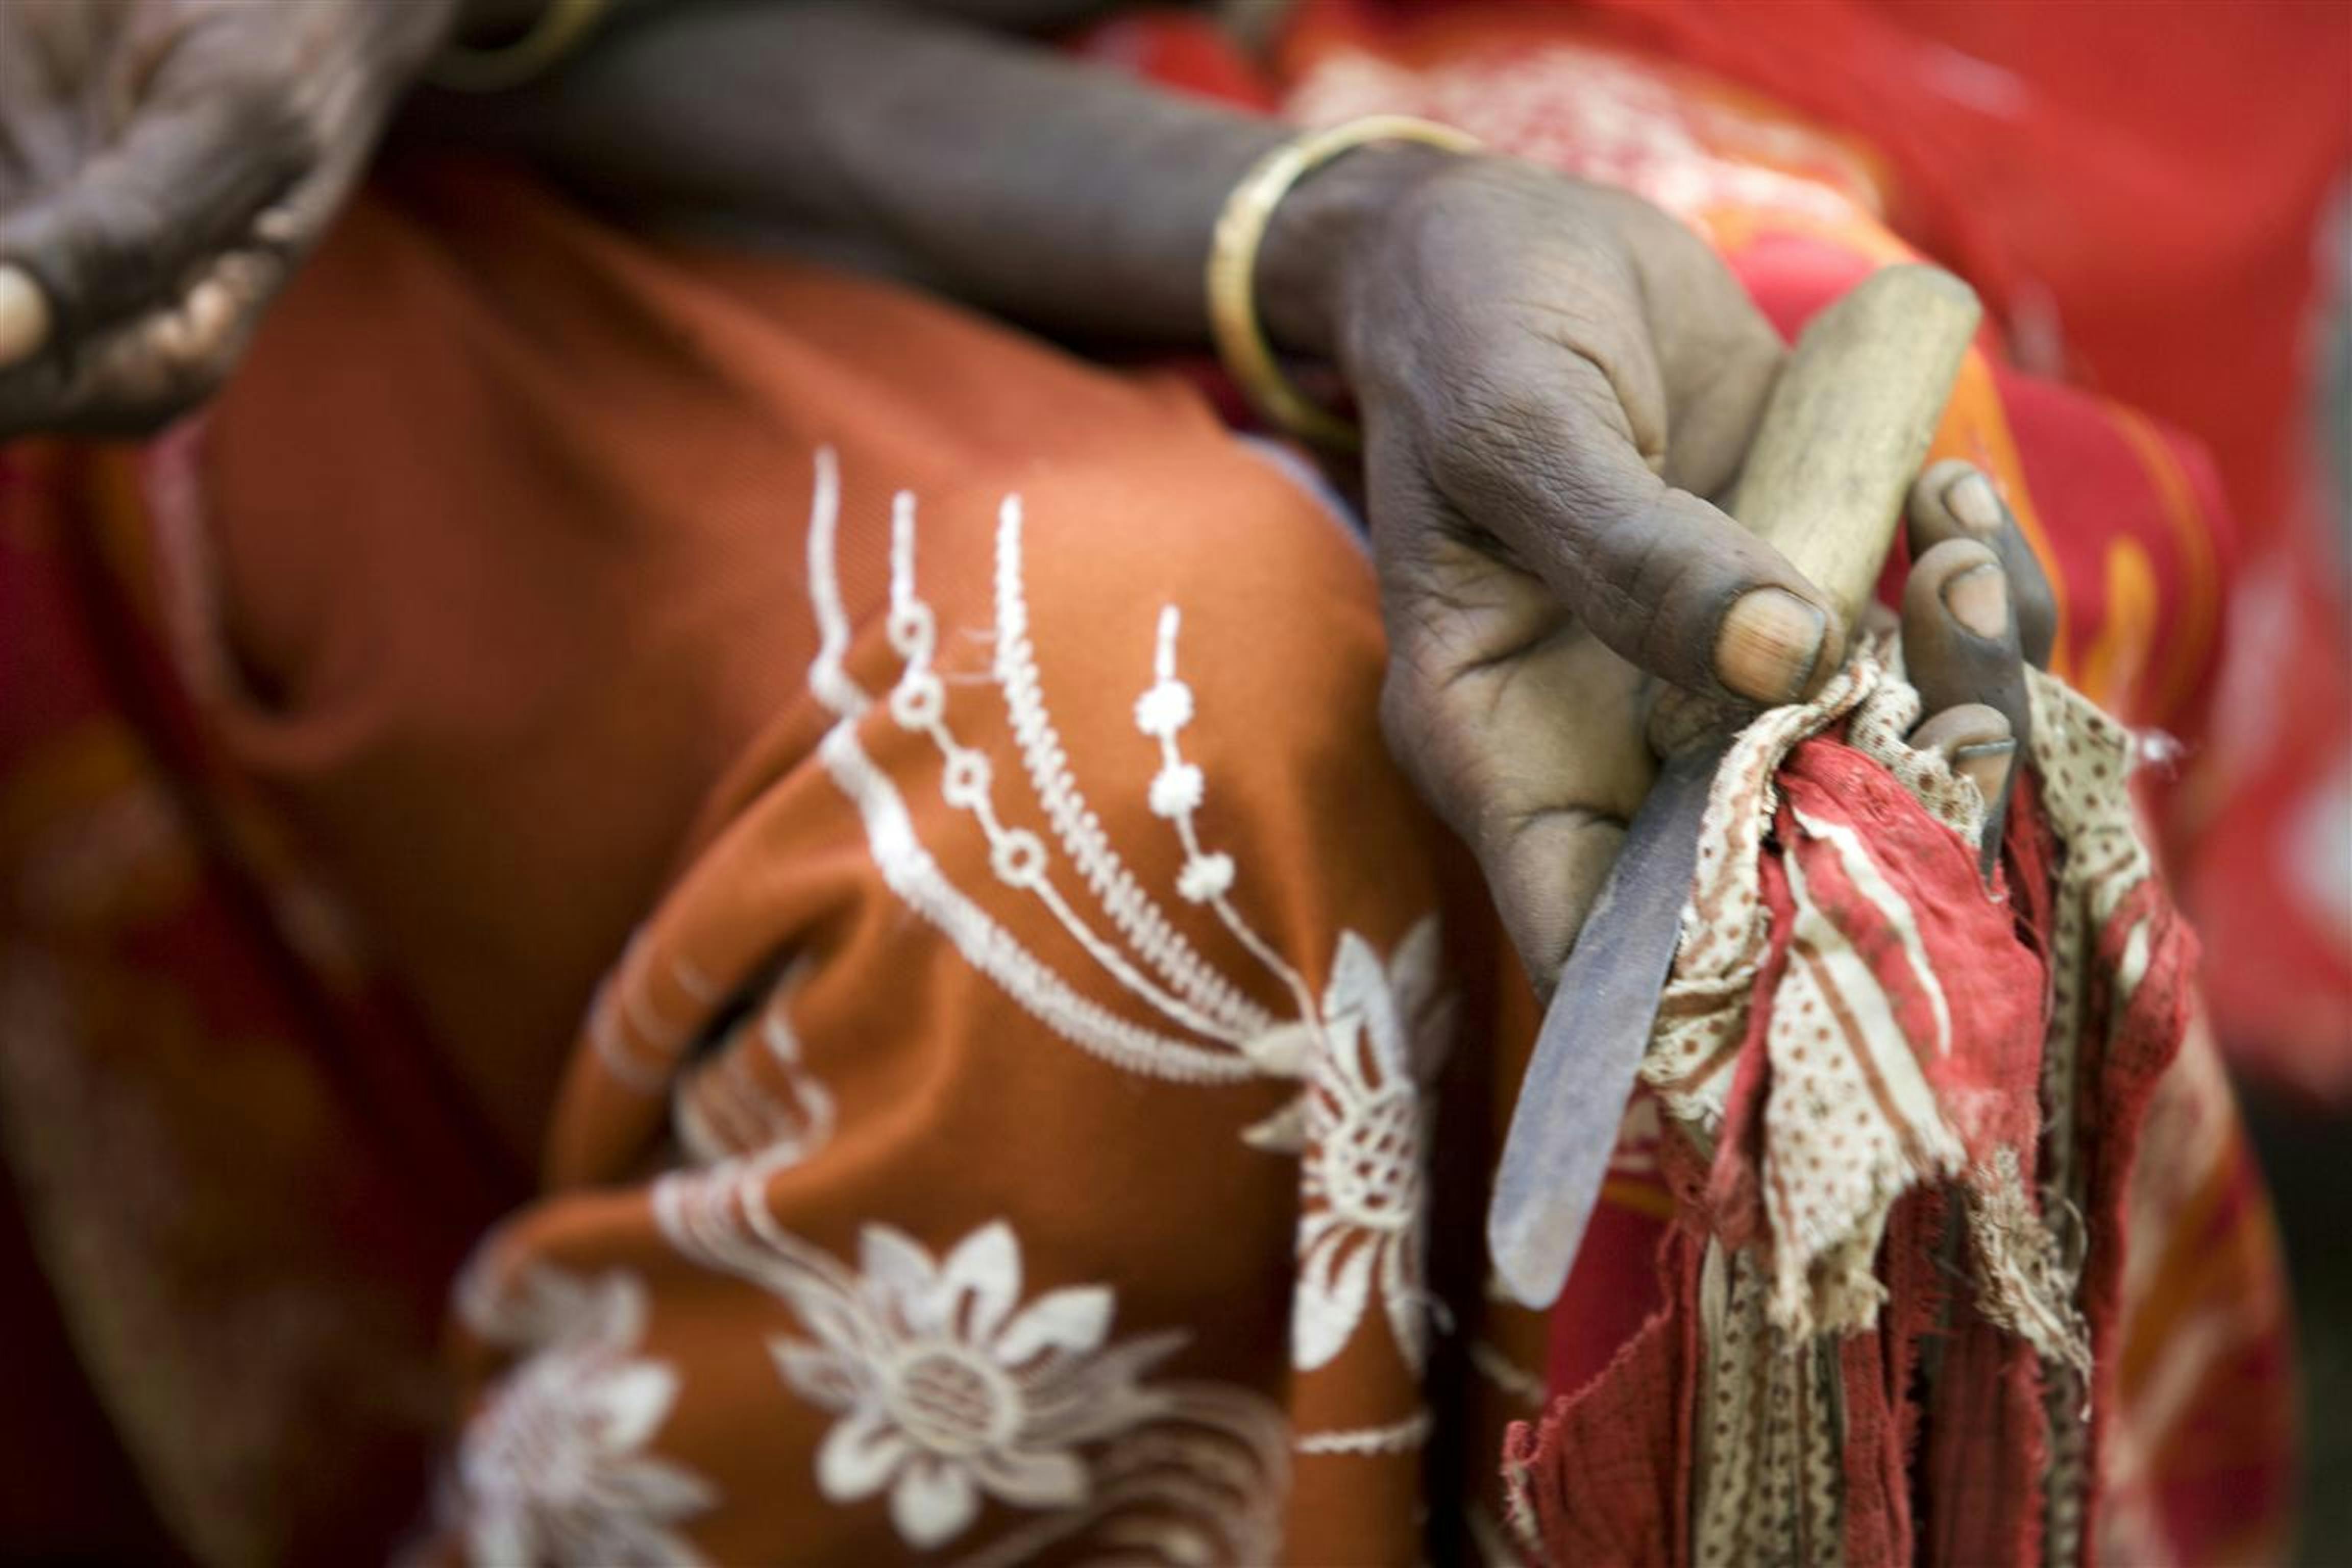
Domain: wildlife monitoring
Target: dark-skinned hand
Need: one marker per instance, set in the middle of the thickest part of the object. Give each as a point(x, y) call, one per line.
point(1552, 376)
point(163, 165)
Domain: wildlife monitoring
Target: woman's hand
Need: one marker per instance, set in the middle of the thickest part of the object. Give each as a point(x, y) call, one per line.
point(1551, 376)
point(163, 165)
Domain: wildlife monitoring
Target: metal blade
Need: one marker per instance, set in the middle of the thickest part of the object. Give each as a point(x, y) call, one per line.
point(1573, 1096)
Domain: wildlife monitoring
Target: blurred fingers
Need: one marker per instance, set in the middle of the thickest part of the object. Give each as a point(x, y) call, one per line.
point(133, 378)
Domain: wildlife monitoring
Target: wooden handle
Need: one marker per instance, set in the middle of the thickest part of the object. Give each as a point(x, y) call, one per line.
point(1848, 423)
point(1840, 442)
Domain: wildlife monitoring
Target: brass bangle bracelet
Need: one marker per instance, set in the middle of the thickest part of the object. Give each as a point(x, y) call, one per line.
point(1233, 324)
point(561, 26)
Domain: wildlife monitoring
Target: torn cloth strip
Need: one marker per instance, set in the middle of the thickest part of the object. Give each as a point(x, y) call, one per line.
point(1892, 1092)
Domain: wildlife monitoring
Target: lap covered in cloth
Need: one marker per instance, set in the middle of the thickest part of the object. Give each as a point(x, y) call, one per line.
point(1006, 1121)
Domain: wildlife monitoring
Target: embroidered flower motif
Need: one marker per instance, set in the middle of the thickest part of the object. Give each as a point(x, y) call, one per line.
point(1364, 1217)
point(946, 1392)
point(553, 1469)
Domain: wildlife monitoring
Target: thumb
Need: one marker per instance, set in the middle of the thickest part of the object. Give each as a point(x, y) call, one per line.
point(1670, 583)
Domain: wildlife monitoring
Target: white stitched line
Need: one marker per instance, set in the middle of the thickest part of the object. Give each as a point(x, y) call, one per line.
point(1018, 857)
point(1394, 1438)
point(1131, 911)
point(831, 685)
point(1171, 758)
point(915, 877)
point(693, 982)
point(910, 872)
point(607, 1035)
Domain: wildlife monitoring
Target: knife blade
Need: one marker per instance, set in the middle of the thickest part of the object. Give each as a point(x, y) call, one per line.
point(1845, 429)
point(1564, 1128)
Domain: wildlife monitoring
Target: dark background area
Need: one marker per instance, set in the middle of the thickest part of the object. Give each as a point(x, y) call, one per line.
point(2308, 1157)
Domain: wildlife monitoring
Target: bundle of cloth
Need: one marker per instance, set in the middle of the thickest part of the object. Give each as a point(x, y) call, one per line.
point(1899, 1116)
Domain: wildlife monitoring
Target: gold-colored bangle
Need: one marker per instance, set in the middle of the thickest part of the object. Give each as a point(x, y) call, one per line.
point(1233, 264)
point(561, 26)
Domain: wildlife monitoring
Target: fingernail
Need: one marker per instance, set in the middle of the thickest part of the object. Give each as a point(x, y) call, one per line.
point(1979, 599)
point(24, 316)
point(1987, 764)
point(1769, 644)
point(1972, 500)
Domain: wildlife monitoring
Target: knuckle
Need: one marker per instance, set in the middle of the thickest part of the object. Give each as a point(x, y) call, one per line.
point(1641, 564)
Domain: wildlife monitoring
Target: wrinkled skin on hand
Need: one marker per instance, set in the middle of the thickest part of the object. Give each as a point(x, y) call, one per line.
point(163, 165)
point(1552, 376)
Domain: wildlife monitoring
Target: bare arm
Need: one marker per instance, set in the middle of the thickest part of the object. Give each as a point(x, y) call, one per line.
point(907, 143)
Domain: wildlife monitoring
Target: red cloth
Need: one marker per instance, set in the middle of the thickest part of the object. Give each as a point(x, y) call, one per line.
point(1983, 1410)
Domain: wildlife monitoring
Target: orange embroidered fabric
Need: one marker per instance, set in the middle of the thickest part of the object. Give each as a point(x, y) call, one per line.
point(1038, 1062)
point(1007, 1125)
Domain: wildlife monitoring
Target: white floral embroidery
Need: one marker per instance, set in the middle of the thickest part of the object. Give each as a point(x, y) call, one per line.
point(1365, 1215)
point(553, 1469)
point(910, 870)
point(1165, 709)
point(1366, 1046)
point(948, 1389)
point(946, 1392)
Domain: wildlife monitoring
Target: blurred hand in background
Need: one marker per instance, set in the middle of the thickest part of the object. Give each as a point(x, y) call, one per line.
point(163, 165)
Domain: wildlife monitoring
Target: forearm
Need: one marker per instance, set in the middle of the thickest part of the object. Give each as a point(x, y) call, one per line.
point(986, 167)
